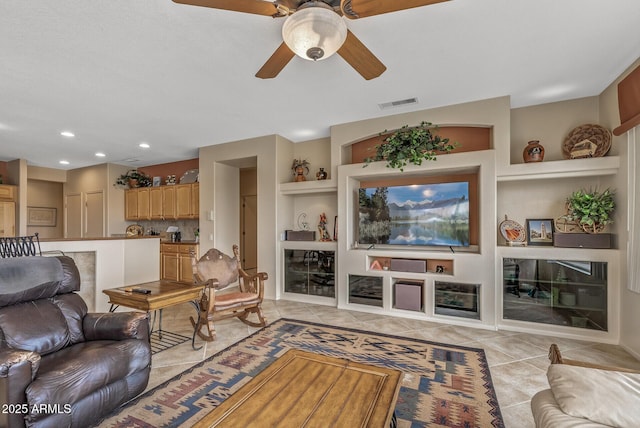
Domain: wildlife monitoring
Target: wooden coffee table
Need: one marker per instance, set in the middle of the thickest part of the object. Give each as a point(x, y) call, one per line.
point(162, 295)
point(305, 389)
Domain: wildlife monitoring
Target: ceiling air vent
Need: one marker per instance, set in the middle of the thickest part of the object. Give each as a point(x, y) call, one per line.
point(399, 103)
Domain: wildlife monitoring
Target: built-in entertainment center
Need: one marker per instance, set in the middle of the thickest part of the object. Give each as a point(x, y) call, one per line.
point(424, 243)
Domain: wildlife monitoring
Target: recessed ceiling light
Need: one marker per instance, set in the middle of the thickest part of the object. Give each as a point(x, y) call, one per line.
point(100, 154)
point(64, 162)
point(67, 134)
point(144, 145)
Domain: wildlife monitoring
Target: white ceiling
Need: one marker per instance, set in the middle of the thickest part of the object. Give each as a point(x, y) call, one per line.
point(119, 72)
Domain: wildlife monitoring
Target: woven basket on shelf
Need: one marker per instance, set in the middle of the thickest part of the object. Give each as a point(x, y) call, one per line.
point(595, 134)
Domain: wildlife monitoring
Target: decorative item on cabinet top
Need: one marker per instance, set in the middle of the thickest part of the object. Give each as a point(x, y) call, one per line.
point(133, 178)
point(190, 176)
point(410, 145)
point(586, 141)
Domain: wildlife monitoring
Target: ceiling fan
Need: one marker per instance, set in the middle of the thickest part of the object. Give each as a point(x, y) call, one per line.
point(315, 30)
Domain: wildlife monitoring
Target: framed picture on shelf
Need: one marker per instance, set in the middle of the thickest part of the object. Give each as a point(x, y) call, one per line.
point(540, 231)
point(157, 181)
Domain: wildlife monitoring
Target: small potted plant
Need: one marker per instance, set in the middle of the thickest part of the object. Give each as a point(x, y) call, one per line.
point(589, 212)
point(133, 178)
point(592, 210)
point(300, 169)
point(410, 145)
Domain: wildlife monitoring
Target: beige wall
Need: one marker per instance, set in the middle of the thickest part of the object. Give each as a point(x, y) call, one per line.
point(272, 167)
point(550, 123)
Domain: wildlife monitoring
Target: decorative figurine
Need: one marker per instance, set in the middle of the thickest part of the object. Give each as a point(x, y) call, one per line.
point(321, 175)
point(299, 167)
point(322, 228)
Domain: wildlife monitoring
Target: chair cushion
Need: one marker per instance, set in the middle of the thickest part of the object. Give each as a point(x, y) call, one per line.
point(230, 300)
point(75, 372)
point(602, 396)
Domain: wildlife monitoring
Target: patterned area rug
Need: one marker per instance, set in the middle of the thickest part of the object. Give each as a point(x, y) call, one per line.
point(443, 385)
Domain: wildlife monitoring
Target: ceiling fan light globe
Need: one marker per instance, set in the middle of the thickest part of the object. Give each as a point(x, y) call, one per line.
point(315, 31)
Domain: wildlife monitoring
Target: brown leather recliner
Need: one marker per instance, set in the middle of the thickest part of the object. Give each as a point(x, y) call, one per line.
point(59, 365)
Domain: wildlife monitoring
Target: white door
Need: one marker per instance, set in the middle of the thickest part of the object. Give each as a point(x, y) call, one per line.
point(94, 215)
point(73, 216)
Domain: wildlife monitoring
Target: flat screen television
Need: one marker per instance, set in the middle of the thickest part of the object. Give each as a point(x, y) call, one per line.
point(435, 214)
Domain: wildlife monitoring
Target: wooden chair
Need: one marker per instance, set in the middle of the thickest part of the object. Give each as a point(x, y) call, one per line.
point(556, 358)
point(217, 271)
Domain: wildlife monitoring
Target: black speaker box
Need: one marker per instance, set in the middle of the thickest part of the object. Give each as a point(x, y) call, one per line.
point(408, 265)
point(299, 235)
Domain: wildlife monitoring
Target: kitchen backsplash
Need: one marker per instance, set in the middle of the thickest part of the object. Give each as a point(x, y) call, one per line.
point(187, 228)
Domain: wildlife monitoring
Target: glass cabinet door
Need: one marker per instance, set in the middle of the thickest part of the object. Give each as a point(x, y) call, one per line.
point(310, 272)
point(296, 272)
point(561, 292)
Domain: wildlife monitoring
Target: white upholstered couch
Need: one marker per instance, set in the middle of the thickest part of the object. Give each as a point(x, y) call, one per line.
point(587, 396)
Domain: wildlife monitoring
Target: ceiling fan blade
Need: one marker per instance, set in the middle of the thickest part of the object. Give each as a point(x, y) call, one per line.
point(257, 7)
point(360, 58)
point(276, 63)
point(362, 8)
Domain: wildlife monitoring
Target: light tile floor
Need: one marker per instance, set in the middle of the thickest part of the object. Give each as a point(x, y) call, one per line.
point(518, 361)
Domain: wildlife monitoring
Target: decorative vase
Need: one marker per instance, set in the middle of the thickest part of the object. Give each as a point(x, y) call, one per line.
point(133, 183)
point(533, 152)
point(300, 174)
point(321, 175)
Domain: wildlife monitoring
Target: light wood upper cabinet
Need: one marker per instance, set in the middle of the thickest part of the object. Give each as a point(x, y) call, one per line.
point(180, 201)
point(131, 204)
point(169, 202)
point(195, 200)
point(187, 200)
point(7, 192)
point(156, 211)
point(7, 219)
point(144, 204)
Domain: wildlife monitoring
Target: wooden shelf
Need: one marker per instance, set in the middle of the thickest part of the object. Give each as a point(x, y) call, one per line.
point(308, 187)
point(587, 167)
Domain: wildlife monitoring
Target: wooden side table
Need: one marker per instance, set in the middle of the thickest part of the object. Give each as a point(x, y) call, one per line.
point(162, 295)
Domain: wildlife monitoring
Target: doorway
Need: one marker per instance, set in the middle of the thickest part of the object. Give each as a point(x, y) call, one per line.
point(249, 219)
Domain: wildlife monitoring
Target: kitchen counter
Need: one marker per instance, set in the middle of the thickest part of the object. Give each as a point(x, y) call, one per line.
point(106, 238)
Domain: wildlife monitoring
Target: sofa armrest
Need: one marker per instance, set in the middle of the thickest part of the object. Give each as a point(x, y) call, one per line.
point(17, 371)
point(116, 326)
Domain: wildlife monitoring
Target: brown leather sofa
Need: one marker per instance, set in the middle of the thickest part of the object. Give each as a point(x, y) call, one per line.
point(59, 365)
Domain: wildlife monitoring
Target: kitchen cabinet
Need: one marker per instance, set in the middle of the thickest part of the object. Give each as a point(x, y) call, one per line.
point(179, 201)
point(169, 202)
point(137, 204)
point(156, 204)
point(7, 219)
point(175, 261)
point(7, 210)
point(187, 200)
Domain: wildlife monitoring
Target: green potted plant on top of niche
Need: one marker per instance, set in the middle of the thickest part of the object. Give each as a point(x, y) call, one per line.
point(133, 178)
point(410, 145)
point(590, 211)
